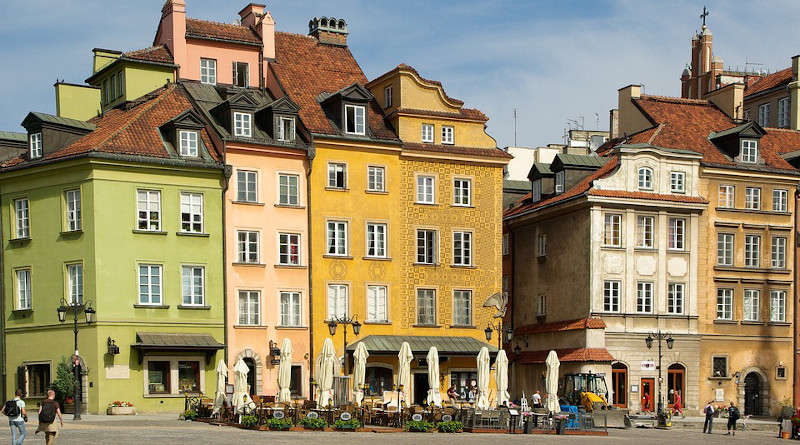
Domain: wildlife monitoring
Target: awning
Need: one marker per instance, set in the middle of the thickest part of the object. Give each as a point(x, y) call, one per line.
point(174, 342)
point(421, 344)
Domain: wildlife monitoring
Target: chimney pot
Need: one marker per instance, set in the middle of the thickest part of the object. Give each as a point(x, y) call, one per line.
point(328, 30)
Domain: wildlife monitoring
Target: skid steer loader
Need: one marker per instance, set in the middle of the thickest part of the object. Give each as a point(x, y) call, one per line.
point(588, 391)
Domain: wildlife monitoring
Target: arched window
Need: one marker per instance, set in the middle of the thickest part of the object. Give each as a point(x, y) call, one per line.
point(619, 383)
point(676, 377)
point(646, 178)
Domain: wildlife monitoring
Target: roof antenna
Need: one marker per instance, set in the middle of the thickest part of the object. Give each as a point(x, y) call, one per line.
point(515, 127)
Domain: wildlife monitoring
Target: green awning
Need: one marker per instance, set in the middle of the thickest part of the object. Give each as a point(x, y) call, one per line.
point(176, 342)
point(421, 344)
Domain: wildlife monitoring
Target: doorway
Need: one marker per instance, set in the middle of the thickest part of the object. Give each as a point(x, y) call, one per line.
point(421, 388)
point(752, 390)
point(676, 375)
point(251, 376)
point(619, 382)
point(647, 393)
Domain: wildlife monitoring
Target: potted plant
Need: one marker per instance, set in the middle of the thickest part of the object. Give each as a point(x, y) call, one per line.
point(450, 426)
point(786, 410)
point(249, 421)
point(351, 424)
point(279, 424)
point(419, 426)
point(117, 408)
point(189, 415)
point(311, 423)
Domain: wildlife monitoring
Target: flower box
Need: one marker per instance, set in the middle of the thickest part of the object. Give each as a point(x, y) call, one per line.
point(121, 411)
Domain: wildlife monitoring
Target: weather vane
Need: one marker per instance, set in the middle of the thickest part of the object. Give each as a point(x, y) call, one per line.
point(704, 15)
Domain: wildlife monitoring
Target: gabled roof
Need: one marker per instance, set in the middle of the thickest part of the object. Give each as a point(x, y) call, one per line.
point(540, 170)
point(158, 54)
point(411, 69)
point(775, 80)
point(45, 118)
point(578, 161)
point(203, 29)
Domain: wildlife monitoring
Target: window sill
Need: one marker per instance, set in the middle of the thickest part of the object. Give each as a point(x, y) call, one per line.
point(22, 312)
point(292, 328)
point(149, 232)
point(763, 212)
point(463, 326)
point(751, 269)
point(431, 204)
point(337, 189)
point(72, 233)
point(289, 206)
point(376, 192)
point(718, 321)
point(291, 266)
point(249, 326)
point(720, 378)
point(427, 264)
point(462, 266)
point(20, 241)
point(752, 323)
point(385, 323)
point(779, 323)
point(196, 308)
point(337, 257)
point(248, 203)
point(151, 306)
point(463, 206)
point(605, 246)
point(249, 264)
point(644, 249)
point(377, 258)
point(197, 234)
point(426, 326)
point(678, 251)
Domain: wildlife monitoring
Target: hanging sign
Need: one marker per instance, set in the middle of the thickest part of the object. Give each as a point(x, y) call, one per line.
point(648, 365)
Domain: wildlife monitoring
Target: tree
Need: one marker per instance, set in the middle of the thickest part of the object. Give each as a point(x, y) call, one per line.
point(64, 383)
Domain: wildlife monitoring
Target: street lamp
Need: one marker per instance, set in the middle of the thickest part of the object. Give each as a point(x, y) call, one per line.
point(89, 313)
point(353, 321)
point(504, 332)
point(670, 343)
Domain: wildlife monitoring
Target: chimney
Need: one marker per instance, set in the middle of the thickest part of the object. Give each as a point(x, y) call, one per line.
point(172, 30)
point(250, 14)
point(256, 17)
point(613, 123)
point(330, 31)
point(729, 99)
point(794, 95)
point(630, 118)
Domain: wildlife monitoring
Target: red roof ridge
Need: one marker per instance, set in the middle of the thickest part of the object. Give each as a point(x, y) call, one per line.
point(295, 34)
point(150, 103)
point(769, 81)
point(558, 326)
point(135, 54)
point(675, 100)
point(566, 355)
point(786, 130)
point(251, 36)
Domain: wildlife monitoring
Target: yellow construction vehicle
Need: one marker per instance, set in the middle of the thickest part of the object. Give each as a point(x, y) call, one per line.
point(589, 392)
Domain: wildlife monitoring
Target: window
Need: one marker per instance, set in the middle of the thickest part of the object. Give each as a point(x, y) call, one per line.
point(541, 245)
point(376, 304)
point(249, 308)
point(645, 178)
point(337, 238)
point(747, 115)
point(354, 119)
point(38, 378)
point(677, 233)
point(288, 190)
point(425, 193)
point(750, 305)
point(426, 246)
point(763, 115)
point(749, 151)
point(426, 306)
point(719, 366)
point(726, 196)
point(188, 377)
point(376, 179)
point(427, 133)
point(149, 208)
point(447, 135)
point(752, 198)
point(611, 296)
point(780, 373)
point(387, 97)
point(113, 84)
point(378, 380)
point(462, 308)
point(612, 228)
point(191, 212)
point(75, 283)
point(560, 179)
point(23, 289)
point(541, 305)
point(783, 112)
point(462, 248)
point(777, 306)
point(644, 297)
point(285, 129)
point(644, 231)
point(208, 71)
point(106, 91)
point(506, 241)
point(21, 218)
point(536, 190)
point(464, 384)
point(724, 304)
point(241, 74)
point(462, 192)
point(337, 176)
point(247, 246)
point(289, 249)
point(675, 298)
point(290, 309)
point(242, 124)
point(752, 246)
point(246, 182)
point(120, 83)
point(35, 146)
point(780, 200)
point(725, 249)
point(337, 301)
point(150, 284)
point(73, 201)
point(158, 377)
point(677, 182)
point(193, 285)
point(376, 240)
point(188, 143)
point(778, 252)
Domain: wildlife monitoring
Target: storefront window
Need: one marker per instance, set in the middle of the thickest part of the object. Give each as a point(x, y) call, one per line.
point(378, 380)
point(158, 377)
point(188, 377)
point(297, 378)
point(465, 384)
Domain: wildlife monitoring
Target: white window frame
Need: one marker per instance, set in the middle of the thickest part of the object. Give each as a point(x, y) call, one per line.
point(235, 76)
point(249, 310)
point(23, 286)
point(752, 251)
point(426, 306)
point(208, 71)
point(359, 119)
point(192, 219)
point(193, 297)
point(376, 178)
point(677, 182)
point(75, 283)
point(749, 151)
point(462, 307)
point(783, 112)
point(287, 241)
point(612, 222)
point(245, 180)
point(334, 170)
point(725, 249)
point(248, 246)
point(645, 230)
point(291, 308)
point(780, 200)
point(752, 198)
point(340, 293)
point(286, 129)
point(35, 145)
point(779, 244)
point(22, 221)
point(151, 286)
point(189, 143)
point(763, 115)
point(777, 306)
point(676, 298)
point(561, 177)
point(427, 133)
point(72, 199)
point(751, 303)
point(462, 248)
point(676, 235)
point(644, 297)
point(242, 124)
point(448, 135)
point(541, 245)
point(724, 304)
point(612, 292)
point(727, 196)
point(377, 303)
point(462, 192)
point(377, 234)
point(387, 97)
point(645, 176)
point(146, 199)
point(427, 246)
point(426, 189)
point(337, 238)
point(288, 189)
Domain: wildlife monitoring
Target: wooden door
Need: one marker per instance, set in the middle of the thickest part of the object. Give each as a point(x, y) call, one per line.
point(619, 381)
point(647, 388)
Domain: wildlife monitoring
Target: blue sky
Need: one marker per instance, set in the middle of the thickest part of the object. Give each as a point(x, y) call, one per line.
point(551, 60)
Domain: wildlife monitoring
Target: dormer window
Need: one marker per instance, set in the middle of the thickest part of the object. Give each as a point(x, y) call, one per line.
point(285, 130)
point(749, 151)
point(536, 190)
point(677, 182)
point(645, 178)
point(242, 124)
point(354, 119)
point(387, 97)
point(241, 74)
point(188, 142)
point(560, 179)
point(35, 145)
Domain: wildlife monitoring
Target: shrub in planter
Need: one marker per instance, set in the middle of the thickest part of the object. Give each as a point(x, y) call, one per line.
point(347, 424)
point(249, 420)
point(313, 424)
point(419, 426)
point(451, 426)
point(279, 424)
point(189, 414)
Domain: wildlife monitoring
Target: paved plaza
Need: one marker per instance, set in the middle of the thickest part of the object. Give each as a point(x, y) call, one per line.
point(163, 429)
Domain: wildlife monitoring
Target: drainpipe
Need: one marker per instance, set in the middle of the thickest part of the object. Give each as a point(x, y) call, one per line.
point(3, 317)
point(795, 358)
point(310, 265)
point(228, 171)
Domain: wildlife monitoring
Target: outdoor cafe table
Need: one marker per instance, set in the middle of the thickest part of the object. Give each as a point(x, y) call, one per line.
point(326, 414)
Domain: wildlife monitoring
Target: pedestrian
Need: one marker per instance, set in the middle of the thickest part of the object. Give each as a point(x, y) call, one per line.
point(536, 398)
point(48, 411)
point(451, 393)
point(646, 404)
point(676, 406)
point(17, 416)
point(709, 412)
point(733, 416)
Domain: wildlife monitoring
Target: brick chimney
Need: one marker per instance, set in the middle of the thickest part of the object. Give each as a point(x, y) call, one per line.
point(330, 31)
point(172, 30)
point(256, 17)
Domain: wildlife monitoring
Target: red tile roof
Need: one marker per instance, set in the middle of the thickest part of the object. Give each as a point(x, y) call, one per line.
point(648, 196)
point(204, 29)
point(776, 79)
point(567, 355)
point(781, 140)
point(455, 149)
point(560, 326)
point(307, 69)
point(464, 113)
point(153, 54)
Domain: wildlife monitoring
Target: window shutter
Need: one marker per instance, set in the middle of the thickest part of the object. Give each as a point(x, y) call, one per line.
point(234, 74)
point(22, 380)
point(342, 301)
point(381, 304)
point(371, 303)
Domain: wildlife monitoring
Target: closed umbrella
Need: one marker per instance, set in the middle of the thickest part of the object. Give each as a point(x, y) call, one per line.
point(501, 378)
point(434, 395)
point(219, 396)
point(404, 371)
point(285, 372)
point(483, 379)
point(359, 372)
point(551, 382)
point(326, 366)
point(241, 400)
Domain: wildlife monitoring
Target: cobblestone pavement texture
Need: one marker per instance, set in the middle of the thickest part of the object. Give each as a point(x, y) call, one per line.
point(153, 430)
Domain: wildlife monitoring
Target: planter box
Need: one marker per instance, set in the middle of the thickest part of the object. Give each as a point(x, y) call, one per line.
point(287, 428)
point(121, 411)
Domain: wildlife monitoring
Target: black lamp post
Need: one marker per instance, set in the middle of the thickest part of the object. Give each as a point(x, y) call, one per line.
point(344, 321)
point(89, 313)
point(503, 332)
point(670, 343)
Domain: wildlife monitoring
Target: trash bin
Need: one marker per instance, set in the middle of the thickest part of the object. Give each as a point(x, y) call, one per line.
point(528, 426)
point(561, 426)
point(664, 419)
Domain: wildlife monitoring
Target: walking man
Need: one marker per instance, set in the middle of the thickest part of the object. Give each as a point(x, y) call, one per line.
point(677, 407)
point(537, 400)
point(733, 416)
point(15, 410)
point(709, 412)
point(48, 411)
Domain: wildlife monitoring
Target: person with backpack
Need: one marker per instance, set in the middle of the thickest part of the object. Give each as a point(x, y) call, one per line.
point(709, 412)
point(48, 411)
point(733, 416)
point(17, 416)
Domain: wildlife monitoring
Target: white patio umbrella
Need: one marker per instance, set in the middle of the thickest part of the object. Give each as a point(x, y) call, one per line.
point(404, 370)
point(501, 378)
point(359, 372)
point(241, 399)
point(551, 382)
point(483, 379)
point(434, 395)
point(219, 396)
point(285, 372)
point(326, 366)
